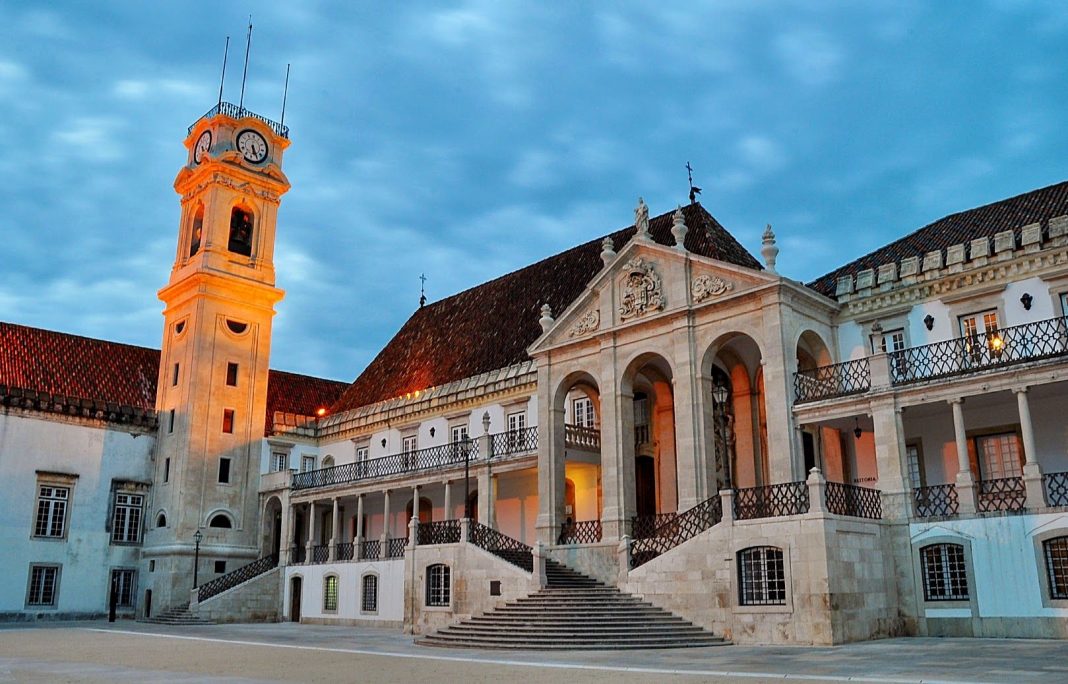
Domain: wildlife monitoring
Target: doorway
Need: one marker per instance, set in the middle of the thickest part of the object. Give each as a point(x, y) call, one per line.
point(645, 485)
point(295, 590)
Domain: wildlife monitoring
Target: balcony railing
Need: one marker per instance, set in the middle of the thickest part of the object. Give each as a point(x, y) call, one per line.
point(982, 351)
point(512, 550)
point(582, 532)
point(582, 438)
point(438, 532)
point(440, 456)
point(514, 442)
point(771, 501)
point(676, 530)
point(236, 112)
point(320, 553)
point(644, 526)
point(232, 579)
point(837, 380)
point(1002, 494)
point(936, 500)
point(854, 501)
point(344, 551)
point(395, 547)
point(298, 553)
point(1056, 485)
point(371, 549)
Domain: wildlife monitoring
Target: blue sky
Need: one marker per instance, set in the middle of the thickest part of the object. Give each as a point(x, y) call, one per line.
point(467, 139)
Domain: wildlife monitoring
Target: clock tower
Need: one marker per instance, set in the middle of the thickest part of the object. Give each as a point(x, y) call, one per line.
point(214, 364)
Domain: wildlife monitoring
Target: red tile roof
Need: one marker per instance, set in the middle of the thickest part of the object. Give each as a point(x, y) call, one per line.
point(1037, 206)
point(83, 368)
point(491, 325)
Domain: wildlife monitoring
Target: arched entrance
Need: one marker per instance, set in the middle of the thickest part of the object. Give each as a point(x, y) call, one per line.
point(295, 591)
point(734, 377)
point(651, 446)
point(271, 526)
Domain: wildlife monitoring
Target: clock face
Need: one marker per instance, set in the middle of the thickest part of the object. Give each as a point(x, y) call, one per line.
point(203, 145)
point(252, 145)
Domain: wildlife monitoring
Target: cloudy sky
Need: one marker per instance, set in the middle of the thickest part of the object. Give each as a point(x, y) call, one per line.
point(467, 139)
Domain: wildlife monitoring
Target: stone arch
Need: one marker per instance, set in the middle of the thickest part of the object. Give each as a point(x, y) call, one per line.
point(812, 351)
point(650, 452)
point(271, 526)
point(577, 401)
point(196, 229)
point(737, 427)
point(242, 229)
point(161, 518)
point(221, 519)
point(426, 510)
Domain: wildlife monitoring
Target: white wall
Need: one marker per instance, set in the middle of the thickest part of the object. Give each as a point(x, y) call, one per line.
point(390, 590)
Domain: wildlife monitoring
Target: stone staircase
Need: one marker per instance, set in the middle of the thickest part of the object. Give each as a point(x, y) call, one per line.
point(573, 612)
point(178, 615)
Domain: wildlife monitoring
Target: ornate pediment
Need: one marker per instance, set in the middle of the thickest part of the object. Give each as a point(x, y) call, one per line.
point(587, 324)
point(707, 286)
point(641, 290)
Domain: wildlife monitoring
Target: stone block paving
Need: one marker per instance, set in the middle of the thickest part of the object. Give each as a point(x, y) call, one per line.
point(387, 654)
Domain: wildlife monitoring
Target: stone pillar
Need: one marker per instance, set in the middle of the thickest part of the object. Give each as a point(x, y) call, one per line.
point(891, 461)
point(623, 556)
point(617, 448)
point(385, 523)
point(465, 530)
point(448, 500)
point(290, 530)
point(783, 464)
point(310, 544)
point(413, 532)
point(550, 460)
point(879, 368)
point(335, 523)
point(357, 543)
point(817, 491)
point(726, 499)
point(1032, 471)
point(690, 462)
point(538, 574)
point(965, 480)
point(485, 497)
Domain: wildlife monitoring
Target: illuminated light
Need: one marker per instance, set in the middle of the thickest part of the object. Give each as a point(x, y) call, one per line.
point(997, 343)
point(321, 412)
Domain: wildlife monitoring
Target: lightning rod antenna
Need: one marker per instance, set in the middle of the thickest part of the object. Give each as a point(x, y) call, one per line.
point(285, 94)
point(244, 75)
point(222, 79)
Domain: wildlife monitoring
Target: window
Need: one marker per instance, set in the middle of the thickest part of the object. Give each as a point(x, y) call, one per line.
point(362, 453)
point(224, 471)
point(999, 456)
point(917, 476)
point(221, 521)
point(228, 421)
point(1064, 304)
point(167, 469)
point(161, 520)
point(981, 335)
point(170, 421)
point(330, 593)
point(122, 586)
point(583, 412)
point(328, 461)
point(240, 232)
point(307, 462)
point(198, 230)
point(641, 419)
point(762, 575)
point(174, 379)
point(220, 567)
point(231, 374)
point(369, 594)
point(126, 522)
point(517, 423)
point(44, 585)
point(458, 434)
point(51, 511)
point(409, 444)
point(279, 461)
point(888, 342)
point(437, 585)
point(1056, 553)
point(945, 577)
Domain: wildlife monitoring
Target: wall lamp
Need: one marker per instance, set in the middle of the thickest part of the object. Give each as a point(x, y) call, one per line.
point(928, 320)
point(1026, 300)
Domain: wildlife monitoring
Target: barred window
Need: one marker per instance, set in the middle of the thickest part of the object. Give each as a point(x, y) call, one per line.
point(763, 576)
point(437, 585)
point(123, 585)
point(945, 576)
point(369, 594)
point(44, 585)
point(1056, 552)
point(330, 593)
point(126, 523)
point(51, 511)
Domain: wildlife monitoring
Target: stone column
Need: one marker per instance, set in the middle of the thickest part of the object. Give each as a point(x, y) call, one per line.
point(550, 460)
point(782, 463)
point(485, 497)
point(817, 491)
point(1032, 471)
point(310, 544)
point(538, 573)
point(448, 500)
point(890, 458)
point(385, 524)
point(335, 523)
point(726, 499)
point(965, 480)
point(290, 539)
point(617, 448)
point(357, 543)
point(691, 473)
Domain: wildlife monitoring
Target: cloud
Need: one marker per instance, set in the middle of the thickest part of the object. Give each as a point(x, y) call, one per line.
point(92, 139)
point(809, 55)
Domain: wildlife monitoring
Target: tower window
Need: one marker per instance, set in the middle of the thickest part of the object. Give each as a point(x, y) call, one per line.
point(220, 521)
point(167, 469)
point(170, 421)
point(224, 471)
point(228, 421)
point(231, 374)
point(174, 379)
point(197, 231)
point(240, 232)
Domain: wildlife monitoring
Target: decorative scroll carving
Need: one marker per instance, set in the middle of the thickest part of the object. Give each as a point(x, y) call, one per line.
point(706, 286)
point(641, 290)
point(587, 323)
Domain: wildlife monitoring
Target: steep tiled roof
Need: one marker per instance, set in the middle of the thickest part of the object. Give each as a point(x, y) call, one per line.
point(1037, 206)
point(491, 325)
point(75, 367)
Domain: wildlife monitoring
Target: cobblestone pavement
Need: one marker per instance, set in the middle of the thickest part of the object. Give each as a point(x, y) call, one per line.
point(133, 652)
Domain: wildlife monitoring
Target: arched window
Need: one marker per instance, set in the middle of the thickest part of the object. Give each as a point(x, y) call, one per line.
point(161, 520)
point(330, 594)
point(328, 461)
point(945, 573)
point(220, 520)
point(197, 230)
point(762, 576)
point(438, 585)
point(1056, 552)
point(369, 593)
point(240, 241)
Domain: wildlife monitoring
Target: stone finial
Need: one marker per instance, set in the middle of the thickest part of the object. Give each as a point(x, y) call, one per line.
point(546, 319)
point(485, 422)
point(608, 253)
point(679, 229)
point(769, 251)
point(641, 220)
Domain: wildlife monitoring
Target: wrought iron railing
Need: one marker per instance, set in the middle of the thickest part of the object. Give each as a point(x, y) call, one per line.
point(236, 112)
point(676, 530)
point(582, 532)
point(514, 442)
point(232, 579)
point(936, 500)
point(500, 545)
point(851, 500)
point(981, 351)
point(644, 526)
point(320, 553)
point(395, 547)
point(1056, 486)
point(836, 380)
point(582, 438)
point(1001, 494)
point(439, 456)
point(298, 554)
point(771, 501)
point(438, 532)
point(371, 549)
point(343, 551)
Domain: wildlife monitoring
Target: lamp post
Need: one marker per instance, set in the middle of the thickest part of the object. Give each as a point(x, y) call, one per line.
point(197, 536)
point(720, 395)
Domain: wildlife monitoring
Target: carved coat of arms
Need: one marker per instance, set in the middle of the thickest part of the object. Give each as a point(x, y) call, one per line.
point(707, 286)
point(587, 324)
point(641, 291)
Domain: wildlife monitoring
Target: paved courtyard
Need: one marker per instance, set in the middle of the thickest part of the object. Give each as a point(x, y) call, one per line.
point(132, 652)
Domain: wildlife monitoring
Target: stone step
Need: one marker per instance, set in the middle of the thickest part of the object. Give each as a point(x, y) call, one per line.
point(511, 619)
point(542, 633)
point(570, 644)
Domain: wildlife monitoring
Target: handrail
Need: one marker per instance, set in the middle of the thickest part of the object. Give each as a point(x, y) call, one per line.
point(438, 532)
point(771, 501)
point(582, 437)
point(582, 532)
point(440, 456)
point(676, 530)
point(236, 112)
point(232, 579)
point(513, 442)
point(512, 550)
point(1056, 486)
point(835, 380)
point(854, 501)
